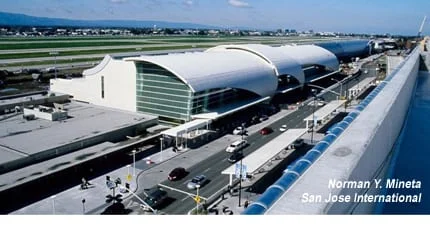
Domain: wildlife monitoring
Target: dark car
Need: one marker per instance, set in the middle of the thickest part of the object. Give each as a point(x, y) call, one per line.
point(298, 143)
point(236, 156)
point(263, 118)
point(156, 198)
point(266, 130)
point(177, 173)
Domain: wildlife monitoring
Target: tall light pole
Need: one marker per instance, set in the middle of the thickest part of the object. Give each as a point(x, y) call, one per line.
point(55, 53)
point(240, 181)
point(340, 86)
point(161, 149)
point(83, 206)
point(53, 203)
point(197, 199)
point(243, 130)
point(128, 173)
point(313, 91)
point(134, 162)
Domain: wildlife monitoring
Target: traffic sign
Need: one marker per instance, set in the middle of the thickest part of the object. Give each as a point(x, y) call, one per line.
point(110, 184)
point(197, 199)
point(129, 177)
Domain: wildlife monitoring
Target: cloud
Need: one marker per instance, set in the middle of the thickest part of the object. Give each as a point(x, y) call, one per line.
point(239, 4)
point(189, 3)
point(118, 1)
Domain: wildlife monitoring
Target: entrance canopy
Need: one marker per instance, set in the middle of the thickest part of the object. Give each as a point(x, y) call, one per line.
point(258, 158)
point(324, 111)
point(185, 128)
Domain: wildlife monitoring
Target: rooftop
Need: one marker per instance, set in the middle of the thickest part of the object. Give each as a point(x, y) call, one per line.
point(20, 138)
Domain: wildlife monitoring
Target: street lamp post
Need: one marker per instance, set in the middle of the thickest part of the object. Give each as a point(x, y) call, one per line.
point(128, 170)
point(197, 199)
point(53, 203)
point(134, 162)
point(240, 182)
point(161, 149)
point(83, 206)
point(340, 86)
point(243, 130)
point(313, 114)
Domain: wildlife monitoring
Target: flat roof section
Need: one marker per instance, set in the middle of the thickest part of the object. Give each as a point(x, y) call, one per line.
point(258, 158)
point(326, 110)
point(30, 137)
point(7, 155)
point(45, 168)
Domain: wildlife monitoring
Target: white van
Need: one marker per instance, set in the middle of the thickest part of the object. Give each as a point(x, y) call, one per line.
point(236, 146)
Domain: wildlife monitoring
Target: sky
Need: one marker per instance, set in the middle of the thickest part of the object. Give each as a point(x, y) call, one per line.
point(358, 16)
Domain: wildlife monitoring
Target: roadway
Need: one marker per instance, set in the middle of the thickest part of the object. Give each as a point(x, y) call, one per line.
point(181, 202)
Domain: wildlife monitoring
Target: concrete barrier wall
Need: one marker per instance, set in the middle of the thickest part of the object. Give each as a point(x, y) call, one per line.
point(385, 116)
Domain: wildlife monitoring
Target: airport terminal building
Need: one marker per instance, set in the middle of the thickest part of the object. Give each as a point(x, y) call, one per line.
point(180, 87)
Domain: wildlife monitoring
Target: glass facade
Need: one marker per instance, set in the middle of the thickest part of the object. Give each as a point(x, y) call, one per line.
point(161, 93)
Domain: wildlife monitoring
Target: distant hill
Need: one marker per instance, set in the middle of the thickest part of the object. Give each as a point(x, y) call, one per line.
point(14, 19)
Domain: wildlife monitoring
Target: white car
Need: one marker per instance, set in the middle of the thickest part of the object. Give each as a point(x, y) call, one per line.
point(236, 146)
point(317, 103)
point(283, 128)
point(239, 131)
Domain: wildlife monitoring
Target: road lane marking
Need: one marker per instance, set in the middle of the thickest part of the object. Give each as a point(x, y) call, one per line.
point(181, 191)
point(206, 170)
point(185, 198)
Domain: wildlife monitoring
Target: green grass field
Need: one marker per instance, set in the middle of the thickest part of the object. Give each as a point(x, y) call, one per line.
point(52, 62)
point(4, 46)
point(96, 51)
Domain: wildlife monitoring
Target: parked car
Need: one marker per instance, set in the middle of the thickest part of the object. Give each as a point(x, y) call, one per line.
point(283, 128)
point(317, 103)
point(155, 199)
point(266, 130)
point(263, 118)
point(239, 131)
point(177, 174)
point(254, 120)
point(197, 180)
point(236, 146)
point(236, 156)
point(298, 143)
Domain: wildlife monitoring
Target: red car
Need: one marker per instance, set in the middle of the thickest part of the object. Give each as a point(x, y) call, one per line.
point(266, 130)
point(177, 174)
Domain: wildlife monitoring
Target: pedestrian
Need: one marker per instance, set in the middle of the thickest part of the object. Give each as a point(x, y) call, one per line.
point(246, 204)
point(85, 183)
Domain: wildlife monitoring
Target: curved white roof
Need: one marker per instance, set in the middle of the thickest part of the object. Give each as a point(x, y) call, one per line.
point(312, 55)
point(218, 69)
point(99, 67)
point(276, 57)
